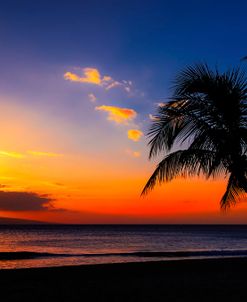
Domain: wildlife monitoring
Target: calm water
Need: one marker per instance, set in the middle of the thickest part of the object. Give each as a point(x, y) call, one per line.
point(56, 245)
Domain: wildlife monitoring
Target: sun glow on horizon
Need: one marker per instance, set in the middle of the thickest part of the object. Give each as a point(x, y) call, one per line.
point(100, 188)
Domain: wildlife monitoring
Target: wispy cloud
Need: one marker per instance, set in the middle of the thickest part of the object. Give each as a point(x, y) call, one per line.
point(126, 85)
point(92, 97)
point(7, 177)
point(117, 114)
point(92, 76)
point(135, 134)
point(113, 84)
point(44, 154)
point(52, 184)
point(133, 153)
point(11, 154)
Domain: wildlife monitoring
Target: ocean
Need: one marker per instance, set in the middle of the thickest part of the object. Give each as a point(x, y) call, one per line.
point(24, 246)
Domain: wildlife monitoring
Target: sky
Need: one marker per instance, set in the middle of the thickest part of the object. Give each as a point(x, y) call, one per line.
point(79, 84)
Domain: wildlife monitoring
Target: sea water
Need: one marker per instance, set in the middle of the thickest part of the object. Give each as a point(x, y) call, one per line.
point(23, 246)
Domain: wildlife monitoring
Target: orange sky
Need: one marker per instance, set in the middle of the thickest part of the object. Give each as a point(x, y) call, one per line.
point(90, 163)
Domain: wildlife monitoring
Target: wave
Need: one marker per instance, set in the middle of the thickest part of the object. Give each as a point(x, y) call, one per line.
point(22, 255)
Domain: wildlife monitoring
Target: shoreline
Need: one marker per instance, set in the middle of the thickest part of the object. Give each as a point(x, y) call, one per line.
point(114, 263)
point(183, 280)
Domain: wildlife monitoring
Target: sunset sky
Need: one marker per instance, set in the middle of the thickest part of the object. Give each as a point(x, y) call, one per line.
point(79, 84)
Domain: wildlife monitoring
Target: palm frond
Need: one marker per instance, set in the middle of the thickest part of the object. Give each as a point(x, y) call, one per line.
point(175, 123)
point(208, 114)
point(184, 163)
point(234, 192)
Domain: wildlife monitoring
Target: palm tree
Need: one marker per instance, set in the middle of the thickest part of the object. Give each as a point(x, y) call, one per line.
point(207, 118)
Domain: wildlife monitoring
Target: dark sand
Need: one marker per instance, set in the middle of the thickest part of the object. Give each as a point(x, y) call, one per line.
point(185, 280)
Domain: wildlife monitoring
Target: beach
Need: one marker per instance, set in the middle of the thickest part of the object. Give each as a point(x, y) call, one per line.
point(183, 280)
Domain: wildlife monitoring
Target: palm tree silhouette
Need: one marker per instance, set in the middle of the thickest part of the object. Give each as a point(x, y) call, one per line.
point(207, 117)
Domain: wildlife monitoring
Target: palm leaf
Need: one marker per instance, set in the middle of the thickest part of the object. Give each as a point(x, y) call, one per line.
point(183, 163)
point(208, 116)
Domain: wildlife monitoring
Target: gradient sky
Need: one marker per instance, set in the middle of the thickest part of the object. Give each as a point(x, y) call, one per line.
point(79, 83)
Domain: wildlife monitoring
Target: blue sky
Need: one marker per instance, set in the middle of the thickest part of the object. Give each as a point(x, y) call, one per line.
point(145, 40)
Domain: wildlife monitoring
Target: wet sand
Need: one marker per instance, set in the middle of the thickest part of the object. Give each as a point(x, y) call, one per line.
point(184, 280)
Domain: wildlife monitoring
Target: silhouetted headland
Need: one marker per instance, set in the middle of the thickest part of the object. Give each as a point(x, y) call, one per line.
point(9, 221)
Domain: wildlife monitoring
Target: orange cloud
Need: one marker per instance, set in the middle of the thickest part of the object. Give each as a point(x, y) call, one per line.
point(48, 154)
point(118, 114)
point(93, 76)
point(133, 153)
point(90, 75)
point(135, 134)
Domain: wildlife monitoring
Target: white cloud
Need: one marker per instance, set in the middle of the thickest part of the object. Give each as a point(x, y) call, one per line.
point(92, 97)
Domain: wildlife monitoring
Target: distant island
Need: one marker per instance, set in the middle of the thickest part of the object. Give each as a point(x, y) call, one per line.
point(7, 220)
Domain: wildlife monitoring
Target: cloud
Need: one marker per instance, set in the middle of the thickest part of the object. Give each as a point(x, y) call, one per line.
point(126, 85)
point(117, 114)
point(24, 201)
point(135, 134)
point(92, 76)
point(133, 153)
point(113, 84)
point(7, 177)
point(3, 186)
point(43, 154)
point(11, 154)
point(52, 184)
point(14, 154)
point(92, 97)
